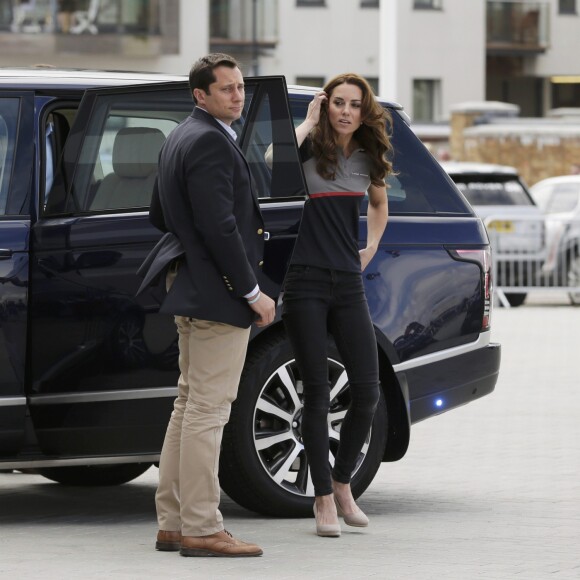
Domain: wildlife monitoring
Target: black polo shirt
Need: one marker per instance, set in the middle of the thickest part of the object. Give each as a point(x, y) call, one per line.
point(328, 236)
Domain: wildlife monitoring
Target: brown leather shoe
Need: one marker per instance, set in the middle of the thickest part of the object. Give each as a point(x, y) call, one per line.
point(168, 541)
point(221, 544)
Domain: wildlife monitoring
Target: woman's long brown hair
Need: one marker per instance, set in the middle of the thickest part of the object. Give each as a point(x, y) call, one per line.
point(371, 135)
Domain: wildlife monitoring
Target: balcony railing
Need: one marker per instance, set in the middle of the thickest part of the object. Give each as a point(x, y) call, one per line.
point(517, 27)
point(80, 16)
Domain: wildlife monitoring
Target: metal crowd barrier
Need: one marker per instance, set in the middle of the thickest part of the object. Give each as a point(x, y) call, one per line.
point(531, 253)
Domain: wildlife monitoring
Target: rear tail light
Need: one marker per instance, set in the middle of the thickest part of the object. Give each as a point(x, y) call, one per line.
point(483, 258)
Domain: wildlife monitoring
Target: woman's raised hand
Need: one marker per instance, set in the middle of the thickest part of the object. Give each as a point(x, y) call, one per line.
point(312, 117)
point(313, 114)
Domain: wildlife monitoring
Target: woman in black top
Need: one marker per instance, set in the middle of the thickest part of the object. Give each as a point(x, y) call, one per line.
point(344, 145)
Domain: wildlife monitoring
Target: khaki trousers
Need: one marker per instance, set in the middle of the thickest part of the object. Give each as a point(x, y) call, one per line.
point(211, 358)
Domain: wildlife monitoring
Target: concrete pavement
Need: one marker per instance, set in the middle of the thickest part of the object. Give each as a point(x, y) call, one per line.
point(489, 491)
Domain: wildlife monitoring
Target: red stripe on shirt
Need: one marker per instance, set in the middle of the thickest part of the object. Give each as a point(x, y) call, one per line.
point(338, 194)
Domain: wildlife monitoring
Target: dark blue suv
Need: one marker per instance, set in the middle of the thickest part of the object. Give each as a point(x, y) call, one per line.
point(88, 371)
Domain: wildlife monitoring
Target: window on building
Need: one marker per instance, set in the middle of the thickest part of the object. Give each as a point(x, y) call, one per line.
point(374, 82)
point(310, 3)
point(310, 81)
point(426, 100)
point(567, 6)
point(566, 92)
point(219, 19)
point(427, 4)
point(117, 16)
point(369, 3)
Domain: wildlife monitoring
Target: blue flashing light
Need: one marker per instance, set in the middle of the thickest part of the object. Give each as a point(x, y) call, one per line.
point(439, 403)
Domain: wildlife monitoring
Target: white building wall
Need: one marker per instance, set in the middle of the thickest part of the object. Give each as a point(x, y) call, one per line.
point(447, 44)
point(324, 41)
point(563, 54)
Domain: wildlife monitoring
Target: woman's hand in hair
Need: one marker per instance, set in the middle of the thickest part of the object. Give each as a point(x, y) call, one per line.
point(312, 117)
point(313, 114)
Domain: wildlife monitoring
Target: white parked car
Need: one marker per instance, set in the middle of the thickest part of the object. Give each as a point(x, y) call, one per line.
point(559, 198)
point(514, 222)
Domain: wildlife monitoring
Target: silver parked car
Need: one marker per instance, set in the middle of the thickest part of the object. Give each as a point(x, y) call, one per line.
point(514, 222)
point(559, 198)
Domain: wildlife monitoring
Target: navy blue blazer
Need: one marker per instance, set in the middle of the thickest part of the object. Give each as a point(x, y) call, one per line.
point(205, 202)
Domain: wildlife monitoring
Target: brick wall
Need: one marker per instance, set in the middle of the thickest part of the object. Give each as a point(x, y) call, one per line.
point(538, 148)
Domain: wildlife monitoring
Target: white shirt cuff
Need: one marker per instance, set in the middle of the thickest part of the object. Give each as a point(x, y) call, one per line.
point(253, 292)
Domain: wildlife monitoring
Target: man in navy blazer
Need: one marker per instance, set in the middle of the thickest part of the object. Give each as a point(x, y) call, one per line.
point(211, 252)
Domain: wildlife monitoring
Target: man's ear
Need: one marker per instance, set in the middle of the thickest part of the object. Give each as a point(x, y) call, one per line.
point(199, 96)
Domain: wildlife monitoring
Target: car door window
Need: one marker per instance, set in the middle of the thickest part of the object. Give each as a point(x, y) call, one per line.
point(541, 194)
point(125, 167)
point(111, 164)
point(55, 124)
point(267, 121)
point(9, 108)
point(564, 198)
point(492, 190)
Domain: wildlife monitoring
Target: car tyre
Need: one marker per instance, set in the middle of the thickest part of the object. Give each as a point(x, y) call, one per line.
point(95, 475)
point(263, 464)
point(516, 298)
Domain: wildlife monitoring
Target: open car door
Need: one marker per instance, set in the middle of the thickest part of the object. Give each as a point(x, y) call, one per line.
point(104, 362)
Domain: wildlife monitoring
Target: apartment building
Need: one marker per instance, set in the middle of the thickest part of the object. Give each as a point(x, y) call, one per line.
point(427, 54)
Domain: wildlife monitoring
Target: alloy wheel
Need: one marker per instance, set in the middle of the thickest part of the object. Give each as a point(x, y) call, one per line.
point(277, 425)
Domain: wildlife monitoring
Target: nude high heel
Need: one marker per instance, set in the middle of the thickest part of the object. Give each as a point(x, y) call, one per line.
point(326, 530)
point(358, 519)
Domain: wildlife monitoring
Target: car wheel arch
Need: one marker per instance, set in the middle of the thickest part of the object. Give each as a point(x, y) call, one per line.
point(396, 393)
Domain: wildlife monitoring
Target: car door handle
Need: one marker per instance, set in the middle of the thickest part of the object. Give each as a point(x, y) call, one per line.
point(5, 254)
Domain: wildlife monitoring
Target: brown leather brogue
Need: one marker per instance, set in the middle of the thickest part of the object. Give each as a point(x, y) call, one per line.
point(222, 544)
point(168, 541)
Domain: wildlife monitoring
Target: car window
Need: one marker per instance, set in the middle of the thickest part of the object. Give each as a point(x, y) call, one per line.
point(114, 167)
point(565, 198)
point(266, 122)
point(541, 193)
point(55, 128)
point(118, 124)
point(481, 190)
point(418, 185)
point(9, 108)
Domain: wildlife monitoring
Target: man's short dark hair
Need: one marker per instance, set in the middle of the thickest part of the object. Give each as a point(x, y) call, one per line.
point(201, 74)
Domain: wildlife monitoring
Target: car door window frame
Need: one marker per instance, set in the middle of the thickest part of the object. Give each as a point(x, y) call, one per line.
point(18, 190)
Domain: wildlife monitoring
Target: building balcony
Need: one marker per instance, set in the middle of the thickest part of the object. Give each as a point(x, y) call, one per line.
point(517, 28)
point(140, 28)
point(240, 45)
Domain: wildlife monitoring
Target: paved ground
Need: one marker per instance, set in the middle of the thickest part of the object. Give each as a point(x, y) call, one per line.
point(488, 491)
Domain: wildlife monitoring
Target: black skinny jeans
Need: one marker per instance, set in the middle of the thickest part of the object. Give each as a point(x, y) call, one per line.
point(318, 301)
